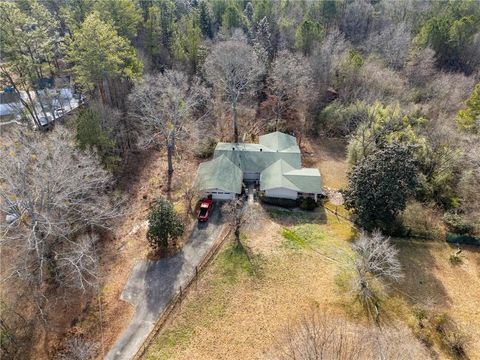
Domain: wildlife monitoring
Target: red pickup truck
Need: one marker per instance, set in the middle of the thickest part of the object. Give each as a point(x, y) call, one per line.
point(206, 207)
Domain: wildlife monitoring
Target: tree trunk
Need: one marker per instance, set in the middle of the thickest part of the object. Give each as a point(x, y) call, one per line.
point(170, 148)
point(107, 93)
point(237, 237)
point(234, 117)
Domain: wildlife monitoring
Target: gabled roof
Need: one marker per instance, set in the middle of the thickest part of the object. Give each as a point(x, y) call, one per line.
point(278, 141)
point(272, 178)
point(255, 157)
point(308, 180)
point(282, 175)
point(277, 158)
point(220, 173)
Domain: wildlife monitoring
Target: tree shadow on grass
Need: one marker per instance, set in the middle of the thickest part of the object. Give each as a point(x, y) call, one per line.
point(420, 286)
point(296, 216)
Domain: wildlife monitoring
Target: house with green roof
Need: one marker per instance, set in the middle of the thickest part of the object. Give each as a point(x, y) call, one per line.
point(274, 163)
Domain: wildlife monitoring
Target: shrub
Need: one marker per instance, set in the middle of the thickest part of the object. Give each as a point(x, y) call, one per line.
point(164, 225)
point(451, 337)
point(340, 120)
point(422, 221)
point(287, 203)
point(307, 204)
point(455, 259)
point(205, 148)
point(457, 224)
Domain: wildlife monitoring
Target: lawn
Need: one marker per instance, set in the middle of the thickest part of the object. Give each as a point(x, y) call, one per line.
point(240, 306)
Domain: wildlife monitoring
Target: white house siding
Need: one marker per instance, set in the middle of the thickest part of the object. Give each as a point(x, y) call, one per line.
point(219, 194)
point(281, 193)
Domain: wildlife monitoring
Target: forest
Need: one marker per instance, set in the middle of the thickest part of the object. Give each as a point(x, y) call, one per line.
point(397, 81)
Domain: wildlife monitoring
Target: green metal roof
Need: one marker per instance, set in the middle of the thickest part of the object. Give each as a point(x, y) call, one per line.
point(283, 175)
point(279, 141)
point(308, 180)
point(219, 173)
point(257, 157)
point(277, 158)
point(272, 178)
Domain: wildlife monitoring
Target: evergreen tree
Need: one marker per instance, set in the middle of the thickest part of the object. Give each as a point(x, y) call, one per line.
point(153, 32)
point(206, 20)
point(450, 30)
point(123, 14)
point(232, 19)
point(29, 49)
point(308, 32)
point(469, 118)
point(380, 185)
point(164, 225)
point(98, 55)
point(187, 40)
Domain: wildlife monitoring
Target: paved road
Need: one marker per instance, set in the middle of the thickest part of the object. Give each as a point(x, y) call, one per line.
point(152, 284)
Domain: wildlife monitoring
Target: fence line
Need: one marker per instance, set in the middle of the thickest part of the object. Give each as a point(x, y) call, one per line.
point(179, 296)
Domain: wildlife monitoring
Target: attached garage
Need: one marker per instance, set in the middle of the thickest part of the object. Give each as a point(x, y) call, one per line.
point(220, 178)
point(219, 194)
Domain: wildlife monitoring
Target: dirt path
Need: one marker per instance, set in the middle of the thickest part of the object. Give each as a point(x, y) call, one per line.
point(152, 284)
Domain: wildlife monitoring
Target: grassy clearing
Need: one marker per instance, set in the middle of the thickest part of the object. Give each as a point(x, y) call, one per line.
point(303, 236)
point(230, 268)
point(304, 257)
point(235, 313)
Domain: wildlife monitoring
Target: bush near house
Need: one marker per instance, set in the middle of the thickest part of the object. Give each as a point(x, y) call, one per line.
point(303, 203)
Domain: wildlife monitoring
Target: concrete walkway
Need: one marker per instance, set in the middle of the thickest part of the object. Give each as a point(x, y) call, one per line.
point(152, 284)
point(250, 190)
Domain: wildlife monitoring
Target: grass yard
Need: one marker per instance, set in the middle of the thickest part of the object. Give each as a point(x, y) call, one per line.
point(240, 306)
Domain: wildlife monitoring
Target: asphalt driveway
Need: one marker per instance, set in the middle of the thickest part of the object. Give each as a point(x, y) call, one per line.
point(152, 284)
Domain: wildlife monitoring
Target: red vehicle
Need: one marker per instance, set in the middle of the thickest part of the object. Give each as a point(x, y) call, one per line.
point(206, 207)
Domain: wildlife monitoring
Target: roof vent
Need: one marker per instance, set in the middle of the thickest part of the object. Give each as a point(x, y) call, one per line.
point(233, 149)
point(260, 149)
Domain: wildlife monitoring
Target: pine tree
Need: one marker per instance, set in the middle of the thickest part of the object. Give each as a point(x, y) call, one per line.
point(206, 20)
point(98, 55)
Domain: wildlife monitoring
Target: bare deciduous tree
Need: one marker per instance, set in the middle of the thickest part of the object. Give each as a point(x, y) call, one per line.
point(49, 194)
point(326, 58)
point(357, 20)
point(78, 263)
point(393, 43)
point(238, 214)
point(191, 195)
point(375, 264)
point(378, 256)
point(78, 348)
point(318, 336)
point(290, 82)
point(164, 103)
point(234, 69)
point(420, 66)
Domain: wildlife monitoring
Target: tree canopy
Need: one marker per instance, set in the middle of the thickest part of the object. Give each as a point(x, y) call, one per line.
point(164, 225)
point(380, 185)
